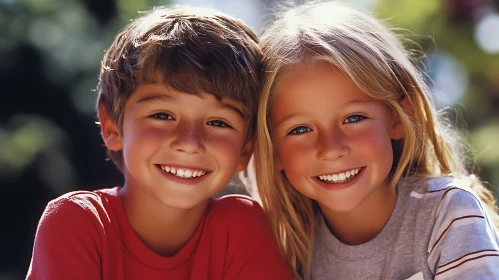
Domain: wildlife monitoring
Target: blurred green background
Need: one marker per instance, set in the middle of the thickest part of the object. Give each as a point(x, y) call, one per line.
point(50, 53)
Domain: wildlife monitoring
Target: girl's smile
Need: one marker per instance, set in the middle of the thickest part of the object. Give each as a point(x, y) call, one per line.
point(340, 177)
point(332, 140)
point(342, 180)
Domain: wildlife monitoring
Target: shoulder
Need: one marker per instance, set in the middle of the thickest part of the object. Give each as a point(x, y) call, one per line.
point(76, 208)
point(426, 186)
point(455, 195)
point(438, 192)
point(236, 207)
point(69, 237)
point(459, 205)
point(462, 232)
point(443, 196)
point(250, 244)
point(240, 204)
point(84, 200)
point(237, 212)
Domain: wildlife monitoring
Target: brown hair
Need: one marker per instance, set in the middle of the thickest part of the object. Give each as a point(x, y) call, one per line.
point(193, 50)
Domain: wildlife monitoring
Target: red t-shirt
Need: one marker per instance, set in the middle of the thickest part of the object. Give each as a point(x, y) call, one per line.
point(86, 235)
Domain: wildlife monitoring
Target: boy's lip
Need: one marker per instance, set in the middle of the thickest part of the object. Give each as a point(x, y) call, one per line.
point(183, 180)
point(183, 174)
point(180, 166)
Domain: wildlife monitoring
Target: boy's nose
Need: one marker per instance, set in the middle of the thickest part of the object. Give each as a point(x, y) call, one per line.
point(188, 139)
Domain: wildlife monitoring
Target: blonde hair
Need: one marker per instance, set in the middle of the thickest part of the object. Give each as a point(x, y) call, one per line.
point(372, 56)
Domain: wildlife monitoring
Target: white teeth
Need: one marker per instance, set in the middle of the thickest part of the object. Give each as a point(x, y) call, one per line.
point(183, 172)
point(340, 177)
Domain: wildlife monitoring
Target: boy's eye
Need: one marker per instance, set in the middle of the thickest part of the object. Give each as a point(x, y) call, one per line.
point(218, 123)
point(299, 130)
point(162, 116)
point(354, 119)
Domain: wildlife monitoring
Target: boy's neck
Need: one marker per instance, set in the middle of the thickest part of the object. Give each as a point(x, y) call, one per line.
point(164, 230)
point(366, 221)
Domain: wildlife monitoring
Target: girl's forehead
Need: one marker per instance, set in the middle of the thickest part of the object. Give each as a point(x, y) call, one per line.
point(309, 67)
point(312, 76)
point(320, 85)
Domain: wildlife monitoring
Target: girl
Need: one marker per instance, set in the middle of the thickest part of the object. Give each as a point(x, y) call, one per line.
point(357, 173)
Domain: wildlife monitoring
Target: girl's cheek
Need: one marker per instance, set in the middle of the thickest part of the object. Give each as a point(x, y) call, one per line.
point(294, 157)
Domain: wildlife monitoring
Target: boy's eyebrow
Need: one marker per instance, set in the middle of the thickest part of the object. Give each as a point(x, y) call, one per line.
point(232, 109)
point(156, 98)
point(169, 98)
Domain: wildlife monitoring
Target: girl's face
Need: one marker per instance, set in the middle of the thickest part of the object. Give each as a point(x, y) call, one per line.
point(332, 140)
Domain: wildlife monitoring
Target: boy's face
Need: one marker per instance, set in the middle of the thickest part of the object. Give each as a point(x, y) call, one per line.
point(180, 148)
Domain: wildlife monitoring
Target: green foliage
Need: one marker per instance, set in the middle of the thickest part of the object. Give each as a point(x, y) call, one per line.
point(431, 26)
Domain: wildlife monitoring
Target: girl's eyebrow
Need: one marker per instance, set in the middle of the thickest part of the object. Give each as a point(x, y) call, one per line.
point(356, 101)
point(362, 101)
point(288, 117)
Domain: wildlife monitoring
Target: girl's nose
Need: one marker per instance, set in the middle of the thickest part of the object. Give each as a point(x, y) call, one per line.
point(332, 145)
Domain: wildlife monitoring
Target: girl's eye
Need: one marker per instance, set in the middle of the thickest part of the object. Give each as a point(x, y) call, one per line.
point(162, 116)
point(354, 119)
point(218, 123)
point(299, 130)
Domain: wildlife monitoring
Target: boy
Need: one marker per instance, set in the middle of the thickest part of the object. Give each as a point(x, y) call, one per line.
point(177, 105)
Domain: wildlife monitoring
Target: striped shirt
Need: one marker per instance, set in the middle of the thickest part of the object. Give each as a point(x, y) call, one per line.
point(439, 229)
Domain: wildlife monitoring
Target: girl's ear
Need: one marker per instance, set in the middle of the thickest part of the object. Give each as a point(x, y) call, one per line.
point(109, 131)
point(277, 161)
point(397, 129)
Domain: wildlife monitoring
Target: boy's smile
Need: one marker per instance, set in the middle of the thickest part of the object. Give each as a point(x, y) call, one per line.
point(181, 148)
point(183, 172)
point(184, 175)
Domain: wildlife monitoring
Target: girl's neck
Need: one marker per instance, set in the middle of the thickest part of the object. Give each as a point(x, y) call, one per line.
point(164, 230)
point(365, 222)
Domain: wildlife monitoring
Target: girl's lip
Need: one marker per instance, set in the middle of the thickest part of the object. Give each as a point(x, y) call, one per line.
point(342, 171)
point(339, 185)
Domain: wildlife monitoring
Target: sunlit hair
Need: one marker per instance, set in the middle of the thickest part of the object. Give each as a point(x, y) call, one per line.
point(362, 48)
point(189, 49)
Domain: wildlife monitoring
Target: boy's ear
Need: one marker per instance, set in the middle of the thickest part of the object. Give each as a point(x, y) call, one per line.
point(109, 131)
point(246, 154)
